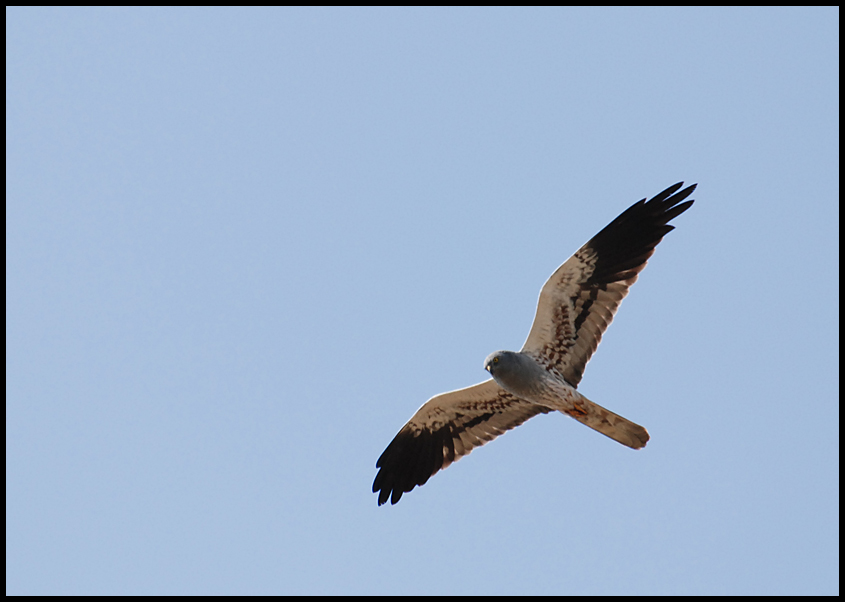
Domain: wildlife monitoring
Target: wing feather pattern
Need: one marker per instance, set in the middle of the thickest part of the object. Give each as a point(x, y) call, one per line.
point(579, 300)
point(444, 429)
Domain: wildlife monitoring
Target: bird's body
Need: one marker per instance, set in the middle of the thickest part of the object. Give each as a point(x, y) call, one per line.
point(576, 305)
point(524, 377)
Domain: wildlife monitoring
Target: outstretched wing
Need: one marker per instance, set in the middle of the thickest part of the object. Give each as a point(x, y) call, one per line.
point(580, 299)
point(445, 428)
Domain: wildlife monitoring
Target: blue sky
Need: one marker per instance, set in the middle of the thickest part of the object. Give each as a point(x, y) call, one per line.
point(244, 246)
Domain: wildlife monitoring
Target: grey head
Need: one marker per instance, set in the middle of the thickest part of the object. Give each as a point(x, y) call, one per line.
point(516, 373)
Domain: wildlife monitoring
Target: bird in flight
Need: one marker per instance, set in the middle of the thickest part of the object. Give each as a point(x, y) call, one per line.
point(576, 305)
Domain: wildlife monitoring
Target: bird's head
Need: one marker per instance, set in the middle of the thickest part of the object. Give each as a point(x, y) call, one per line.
point(514, 372)
point(501, 362)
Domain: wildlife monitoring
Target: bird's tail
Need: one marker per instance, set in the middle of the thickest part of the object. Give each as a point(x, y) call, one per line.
point(607, 423)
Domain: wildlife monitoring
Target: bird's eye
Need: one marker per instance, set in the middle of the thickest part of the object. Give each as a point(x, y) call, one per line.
point(495, 360)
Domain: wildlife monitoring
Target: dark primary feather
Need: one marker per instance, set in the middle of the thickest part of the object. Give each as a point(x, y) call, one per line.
point(627, 242)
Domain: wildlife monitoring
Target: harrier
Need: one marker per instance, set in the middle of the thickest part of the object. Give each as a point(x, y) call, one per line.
point(576, 305)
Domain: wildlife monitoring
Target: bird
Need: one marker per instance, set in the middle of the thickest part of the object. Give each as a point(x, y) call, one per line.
point(576, 305)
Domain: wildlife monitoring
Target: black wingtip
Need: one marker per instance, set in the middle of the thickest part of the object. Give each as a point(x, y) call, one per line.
point(669, 198)
point(627, 242)
point(408, 462)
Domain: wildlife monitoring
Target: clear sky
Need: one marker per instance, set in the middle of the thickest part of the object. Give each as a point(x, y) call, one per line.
point(244, 246)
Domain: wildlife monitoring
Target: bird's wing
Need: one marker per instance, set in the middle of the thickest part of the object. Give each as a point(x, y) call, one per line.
point(445, 428)
point(580, 299)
